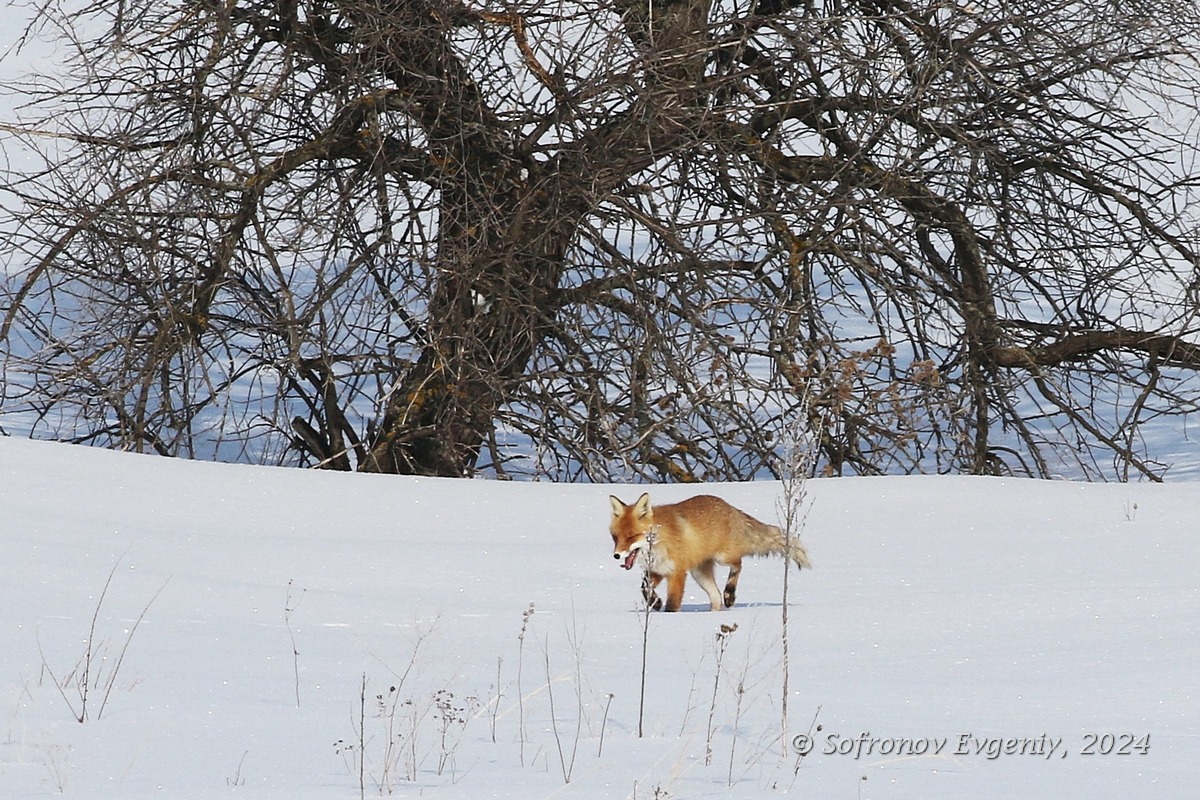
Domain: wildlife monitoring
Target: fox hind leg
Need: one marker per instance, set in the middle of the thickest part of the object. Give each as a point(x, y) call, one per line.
point(735, 569)
point(704, 576)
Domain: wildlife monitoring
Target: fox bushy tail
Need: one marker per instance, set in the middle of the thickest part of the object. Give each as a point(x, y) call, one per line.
point(768, 540)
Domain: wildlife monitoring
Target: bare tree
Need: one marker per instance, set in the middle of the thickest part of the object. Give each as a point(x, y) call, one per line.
point(609, 239)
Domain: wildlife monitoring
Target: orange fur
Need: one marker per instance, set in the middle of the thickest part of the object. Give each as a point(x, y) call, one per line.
point(692, 536)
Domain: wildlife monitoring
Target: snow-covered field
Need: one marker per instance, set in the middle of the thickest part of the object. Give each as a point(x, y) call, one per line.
point(225, 618)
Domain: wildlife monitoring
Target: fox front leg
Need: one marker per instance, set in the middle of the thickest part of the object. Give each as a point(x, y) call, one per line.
point(675, 590)
point(649, 582)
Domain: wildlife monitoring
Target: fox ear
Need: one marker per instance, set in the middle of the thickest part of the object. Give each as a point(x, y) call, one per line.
point(617, 506)
point(642, 506)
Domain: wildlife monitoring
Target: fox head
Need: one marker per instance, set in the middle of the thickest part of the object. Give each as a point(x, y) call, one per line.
point(629, 527)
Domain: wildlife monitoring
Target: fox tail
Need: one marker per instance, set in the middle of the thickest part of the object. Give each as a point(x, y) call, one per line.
point(768, 540)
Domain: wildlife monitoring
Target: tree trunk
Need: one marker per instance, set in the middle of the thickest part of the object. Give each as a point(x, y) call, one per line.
point(500, 256)
point(505, 222)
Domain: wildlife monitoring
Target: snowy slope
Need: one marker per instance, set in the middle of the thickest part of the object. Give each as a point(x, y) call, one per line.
point(246, 607)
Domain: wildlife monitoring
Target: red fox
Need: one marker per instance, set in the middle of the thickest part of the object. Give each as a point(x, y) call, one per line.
point(692, 536)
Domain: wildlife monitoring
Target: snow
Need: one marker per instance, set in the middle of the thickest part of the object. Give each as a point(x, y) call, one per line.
point(946, 619)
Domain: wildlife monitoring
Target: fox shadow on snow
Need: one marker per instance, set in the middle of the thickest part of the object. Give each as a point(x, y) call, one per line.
point(693, 608)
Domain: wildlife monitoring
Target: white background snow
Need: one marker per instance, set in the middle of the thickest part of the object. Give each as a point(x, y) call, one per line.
point(246, 606)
